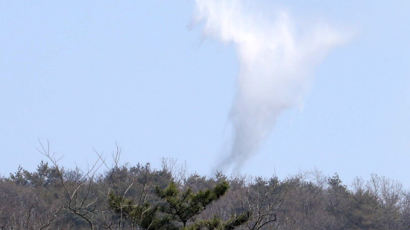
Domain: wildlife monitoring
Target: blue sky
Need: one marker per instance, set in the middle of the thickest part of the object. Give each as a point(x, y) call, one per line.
point(89, 74)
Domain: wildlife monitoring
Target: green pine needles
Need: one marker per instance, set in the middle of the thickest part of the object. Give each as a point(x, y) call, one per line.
point(176, 210)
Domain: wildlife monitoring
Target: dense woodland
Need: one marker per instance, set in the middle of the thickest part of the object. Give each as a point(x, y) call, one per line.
point(137, 196)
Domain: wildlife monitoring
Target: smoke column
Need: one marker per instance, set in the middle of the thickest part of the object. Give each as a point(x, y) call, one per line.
point(276, 60)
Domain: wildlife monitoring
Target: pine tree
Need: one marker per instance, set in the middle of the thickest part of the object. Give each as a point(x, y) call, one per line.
point(176, 210)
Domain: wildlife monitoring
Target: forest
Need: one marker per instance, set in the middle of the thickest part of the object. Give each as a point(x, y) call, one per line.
point(125, 196)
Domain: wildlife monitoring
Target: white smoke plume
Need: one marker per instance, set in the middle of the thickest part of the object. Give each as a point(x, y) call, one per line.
point(276, 60)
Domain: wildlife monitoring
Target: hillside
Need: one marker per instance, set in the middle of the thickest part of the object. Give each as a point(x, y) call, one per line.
point(53, 197)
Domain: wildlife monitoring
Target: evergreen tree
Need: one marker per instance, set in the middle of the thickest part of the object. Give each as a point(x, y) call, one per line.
point(176, 210)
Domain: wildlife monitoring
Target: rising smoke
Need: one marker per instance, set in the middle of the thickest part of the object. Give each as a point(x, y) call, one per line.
point(276, 60)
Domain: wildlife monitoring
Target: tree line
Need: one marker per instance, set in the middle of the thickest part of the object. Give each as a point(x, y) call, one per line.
point(141, 197)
